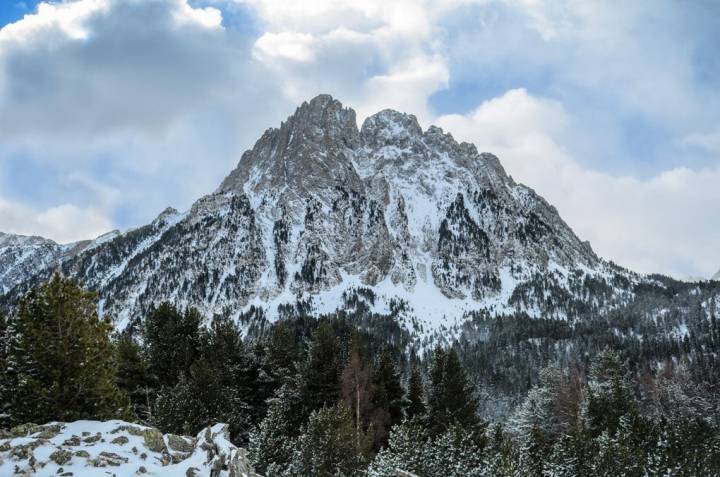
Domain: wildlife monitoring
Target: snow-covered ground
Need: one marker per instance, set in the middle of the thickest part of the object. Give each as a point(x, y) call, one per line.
point(118, 448)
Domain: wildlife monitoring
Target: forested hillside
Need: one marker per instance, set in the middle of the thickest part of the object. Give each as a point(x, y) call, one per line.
point(634, 393)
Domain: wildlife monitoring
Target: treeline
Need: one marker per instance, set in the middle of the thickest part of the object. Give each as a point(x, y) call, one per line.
point(324, 396)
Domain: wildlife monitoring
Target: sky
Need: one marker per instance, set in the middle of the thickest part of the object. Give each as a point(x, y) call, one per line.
point(113, 110)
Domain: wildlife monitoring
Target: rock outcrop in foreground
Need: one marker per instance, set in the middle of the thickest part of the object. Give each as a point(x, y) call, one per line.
point(118, 448)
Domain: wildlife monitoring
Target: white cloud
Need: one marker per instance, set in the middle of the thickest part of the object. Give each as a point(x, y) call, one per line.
point(373, 54)
point(64, 223)
point(709, 141)
point(149, 98)
point(133, 105)
point(285, 45)
point(665, 223)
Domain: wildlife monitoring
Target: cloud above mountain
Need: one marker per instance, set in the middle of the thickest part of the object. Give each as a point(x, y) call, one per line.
point(111, 110)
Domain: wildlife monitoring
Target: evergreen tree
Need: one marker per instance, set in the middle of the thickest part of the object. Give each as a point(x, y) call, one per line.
point(133, 376)
point(414, 402)
point(609, 393)
point(5, 387)
point(406, 450)
point(172, 341)
point(451, 398)
point(387, 390)
point(242, 380)
point(271, 444)
point(61, 357)
point(533, 453)
point(192, 403)
point(225, 384)
point(282, 354)
point(321, 370)
point(330, 445)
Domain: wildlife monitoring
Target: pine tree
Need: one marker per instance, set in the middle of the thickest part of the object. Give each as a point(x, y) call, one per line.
point(282, 353)
point(533, 453)
point(451, 399)
point(330, 445)
point(172, 341)
point(193, 403)
point(133, 376)
point(321, 370)
point(437, 418)
point(62, 358)
point(455, 453)
point(406, 450)
point(271, 444)
point(415, 402)
point(387, 390)
point(609, 393)
point(5, 387)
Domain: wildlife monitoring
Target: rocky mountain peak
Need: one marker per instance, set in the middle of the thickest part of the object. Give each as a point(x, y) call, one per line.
point(390, 128)
point(318, 207)
point(310, 152)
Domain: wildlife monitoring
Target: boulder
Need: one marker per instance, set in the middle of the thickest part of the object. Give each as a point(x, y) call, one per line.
point(154, 440)
point(180, 443)
point(120, 440)
point(61, 457)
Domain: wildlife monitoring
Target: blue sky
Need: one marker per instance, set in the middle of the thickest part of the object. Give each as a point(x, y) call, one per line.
point(111, 110)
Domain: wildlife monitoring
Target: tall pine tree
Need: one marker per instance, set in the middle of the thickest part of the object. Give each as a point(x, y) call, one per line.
point(62, 358)
point(321, 370)
point(415, 400)
point(451, 399)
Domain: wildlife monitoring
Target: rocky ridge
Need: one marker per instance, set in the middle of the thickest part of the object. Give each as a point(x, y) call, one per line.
point(319, 206)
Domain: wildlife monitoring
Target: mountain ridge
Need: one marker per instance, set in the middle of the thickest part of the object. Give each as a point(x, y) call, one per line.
point(320, 206)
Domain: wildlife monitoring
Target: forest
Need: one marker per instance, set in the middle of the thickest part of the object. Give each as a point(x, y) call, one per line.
point(354, 393)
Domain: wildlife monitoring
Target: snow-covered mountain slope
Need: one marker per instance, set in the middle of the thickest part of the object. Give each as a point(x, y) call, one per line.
point(22, 256)
point(118, 448)
point(319, 206)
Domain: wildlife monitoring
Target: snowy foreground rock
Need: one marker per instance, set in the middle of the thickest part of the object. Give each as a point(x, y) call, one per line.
point(118, 448)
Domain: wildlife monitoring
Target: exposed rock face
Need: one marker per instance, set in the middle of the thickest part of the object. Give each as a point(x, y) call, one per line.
point(122, 448)
point(318, 206)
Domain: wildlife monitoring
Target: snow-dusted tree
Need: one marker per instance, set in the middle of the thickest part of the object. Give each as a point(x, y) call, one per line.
point(406, 450)
point(5, 384)
point(330, 445)
point(456, 453)
point(533, 453)
point(60, 357)
point(609, 393)
point(271, 444)
point(387, 395)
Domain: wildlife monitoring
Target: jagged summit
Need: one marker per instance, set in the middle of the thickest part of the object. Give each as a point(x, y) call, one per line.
point(318, 207)
point(309, 152)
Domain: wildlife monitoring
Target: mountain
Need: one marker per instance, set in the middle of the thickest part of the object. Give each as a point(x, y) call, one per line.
point(716, 276)
point(320, 210)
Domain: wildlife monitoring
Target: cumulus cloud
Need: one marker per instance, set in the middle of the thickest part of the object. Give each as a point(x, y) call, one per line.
point(111, 110)
point(373, 54)
point(150, 98)
point(65, 223)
